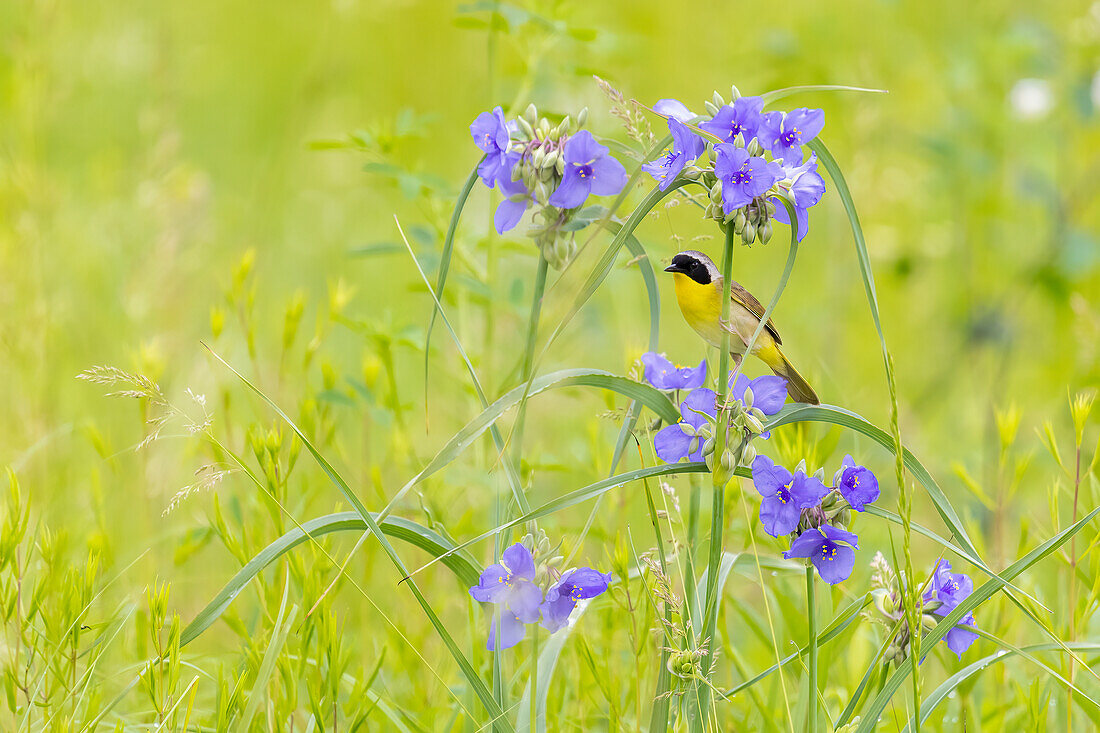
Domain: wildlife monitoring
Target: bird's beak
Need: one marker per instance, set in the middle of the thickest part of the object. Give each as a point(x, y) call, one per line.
point(673, 268)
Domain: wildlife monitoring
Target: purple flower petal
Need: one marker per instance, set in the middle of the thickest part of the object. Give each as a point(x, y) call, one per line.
point(808, 122)
point(572, 191)
point(699, 403)
point(508, 214)
point(608, 176)
point(779, 514)
point(492, 586)
point(806, 544)
point(555, 611)
point(769, 392)
point(672, 444)
point(520, 561)
point(511, 631)
point(524, 598)
point(959, 639)
point(587, 583)
point(835, 534)
point(834, 562)
point(858, 486)
point(583, 148)
point(807, 491)
point(767, 477)
point(674, 108)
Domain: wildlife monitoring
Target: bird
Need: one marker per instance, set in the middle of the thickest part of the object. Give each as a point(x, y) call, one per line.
point(699, 293)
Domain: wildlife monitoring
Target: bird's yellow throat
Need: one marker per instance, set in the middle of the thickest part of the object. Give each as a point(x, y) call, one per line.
point(701, 306)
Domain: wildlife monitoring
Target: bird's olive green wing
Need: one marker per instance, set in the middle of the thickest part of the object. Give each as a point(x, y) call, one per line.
point(749, 301)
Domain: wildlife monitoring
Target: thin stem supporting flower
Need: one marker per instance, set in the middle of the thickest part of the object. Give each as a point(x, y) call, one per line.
point(722, 470)
point(811, 627)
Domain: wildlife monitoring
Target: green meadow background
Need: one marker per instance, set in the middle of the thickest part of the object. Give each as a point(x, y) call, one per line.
point(173, 174)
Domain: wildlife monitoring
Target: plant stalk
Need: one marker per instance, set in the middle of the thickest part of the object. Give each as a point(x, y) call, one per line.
point(811, 625)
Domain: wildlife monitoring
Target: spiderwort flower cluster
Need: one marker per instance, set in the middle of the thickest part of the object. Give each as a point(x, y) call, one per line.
point(943, 592)
point(692, 437)
point(554, 167)
point(756, 162)
point(515, 587)
point(813, 515)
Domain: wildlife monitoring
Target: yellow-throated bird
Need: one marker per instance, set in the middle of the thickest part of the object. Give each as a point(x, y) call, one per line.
point(699, 292)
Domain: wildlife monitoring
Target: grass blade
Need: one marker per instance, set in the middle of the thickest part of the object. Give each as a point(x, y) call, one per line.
point(464, 569)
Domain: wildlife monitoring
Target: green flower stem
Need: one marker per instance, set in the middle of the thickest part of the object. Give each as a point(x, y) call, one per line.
point(811, 626)
point(720, 474)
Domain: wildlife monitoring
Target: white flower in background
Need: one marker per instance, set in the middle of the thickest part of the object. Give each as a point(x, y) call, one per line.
point(1031, 99)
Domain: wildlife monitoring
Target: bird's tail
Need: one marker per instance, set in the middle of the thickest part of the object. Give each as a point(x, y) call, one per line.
point(797, 386)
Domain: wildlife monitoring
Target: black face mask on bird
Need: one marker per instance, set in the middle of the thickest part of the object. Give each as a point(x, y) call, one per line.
point(690, 266)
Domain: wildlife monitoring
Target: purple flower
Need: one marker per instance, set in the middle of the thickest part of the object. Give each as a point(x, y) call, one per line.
point(672, 443)
point(588, 169)
point(769, 392)
point(807, 188)
point(510, 585)
point(832, 551)
point(562, 597)
point(517, 198)
point(856, 484)
point(950, 589)
point(785, 134)
point(686, 147)
point(785, 495)
point(663, 374)
point(743, 177)
point(490, 133)
point(740, 118)
point(675, 109)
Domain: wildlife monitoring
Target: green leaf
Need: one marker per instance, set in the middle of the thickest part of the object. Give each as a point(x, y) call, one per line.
point(650, 397)
point(283, 623)
point(945, 690)
point(403, 529)
point(445, 266)
point(778, 94)
point(948, 622)
point(836, 627)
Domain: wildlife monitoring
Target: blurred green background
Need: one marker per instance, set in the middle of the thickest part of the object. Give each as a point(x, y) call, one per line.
point(145, 148)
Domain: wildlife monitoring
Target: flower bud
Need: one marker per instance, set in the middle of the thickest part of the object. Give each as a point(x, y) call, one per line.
point(563, 127)
point(716, 193)
point(766, 232)
point(531, 114)
point(843, 517)
point(711, 212)
point(525, 126)
point(718, 101)
point(551, 161)
point(884, 602)
point(711, 108)
point(538, 157)
point(748, 398)
point(755, 426)
point(688, 429)
point(559, 165)
point(735, 93)
point(711, 154)
point(739, 221)
point(748, 235)
point(708, 446)
point(582, 118)
point(755, 148)
point(544, 128)
point(928, 621)
point(757, 413)
point(769, 205)
point(748, 455)
point(729, 460)
point(691, 172)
